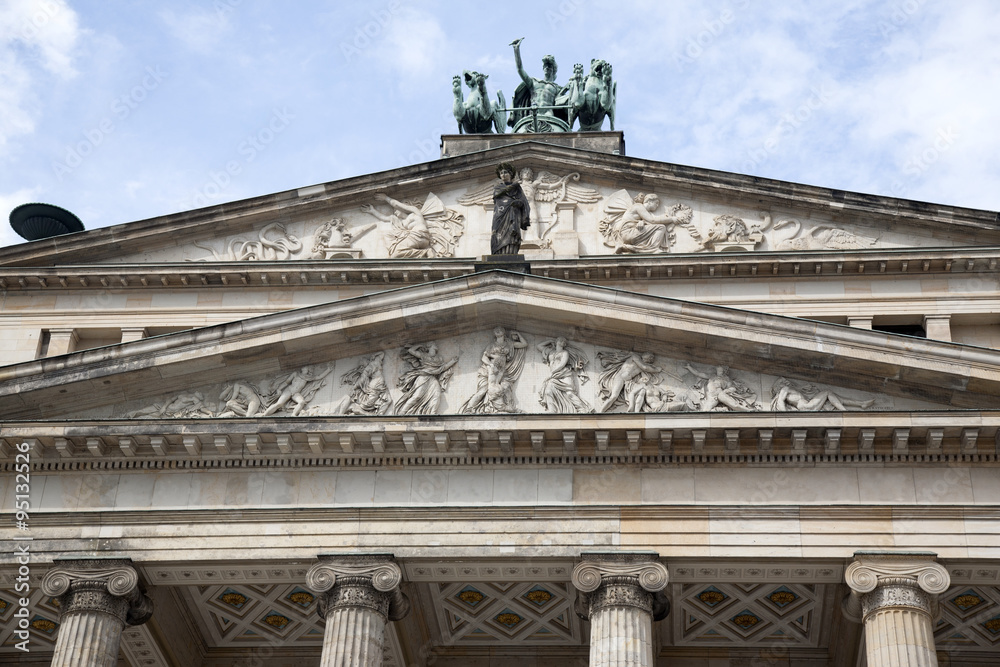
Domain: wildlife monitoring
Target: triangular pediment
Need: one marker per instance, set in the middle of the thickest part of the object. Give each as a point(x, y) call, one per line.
point(580, 206)
point(316, 348)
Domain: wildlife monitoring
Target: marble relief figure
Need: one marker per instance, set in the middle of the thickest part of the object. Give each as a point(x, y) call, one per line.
point(721, 391)
point(181, 406)
point(560, 391)
point(631, 225)
point(622, 374)
point(242, 399)
point(333, 240)
point(501, 366)
point(789, 397)
point(727, 232)
point(425, 382)
point(369, 393)
point(820, 237)
point(272, 244)
point(297, 389)
point(419, 230)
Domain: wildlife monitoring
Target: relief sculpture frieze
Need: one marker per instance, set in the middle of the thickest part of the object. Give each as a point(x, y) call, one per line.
point(502, 363)
point(418, 229)
point(272, 243)
point(632, 225)
point(508, 376)
point(545, 192)
point(789, 235)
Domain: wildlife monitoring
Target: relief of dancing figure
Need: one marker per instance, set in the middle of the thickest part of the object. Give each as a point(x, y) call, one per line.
point(559, 392)
point(502, 363)
point(425, 383)
point(369, 394)
point(621, 371)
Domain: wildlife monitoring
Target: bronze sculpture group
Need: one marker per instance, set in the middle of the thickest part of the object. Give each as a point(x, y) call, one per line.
point(540, 105)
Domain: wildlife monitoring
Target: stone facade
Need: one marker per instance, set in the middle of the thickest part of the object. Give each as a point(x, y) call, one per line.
point(689, 437)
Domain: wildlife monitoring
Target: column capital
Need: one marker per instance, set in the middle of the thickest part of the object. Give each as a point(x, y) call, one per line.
point(880, 580)
point(108, 585)
point(621, 579)
point(359, 580)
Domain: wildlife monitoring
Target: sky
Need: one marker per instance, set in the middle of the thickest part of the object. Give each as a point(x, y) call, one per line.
point(122, 111)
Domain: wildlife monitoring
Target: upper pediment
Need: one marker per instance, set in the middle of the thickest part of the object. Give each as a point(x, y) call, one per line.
point(391, 352)
point(583, 204)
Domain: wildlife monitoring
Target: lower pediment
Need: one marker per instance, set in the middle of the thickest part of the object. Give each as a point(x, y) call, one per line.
point(503, 343)
point(502, 371)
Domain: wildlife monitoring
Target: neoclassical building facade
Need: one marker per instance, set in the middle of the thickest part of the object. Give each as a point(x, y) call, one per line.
point(707, 420)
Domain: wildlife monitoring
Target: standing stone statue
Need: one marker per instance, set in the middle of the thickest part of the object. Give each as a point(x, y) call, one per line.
point(477, 114)
point(543, 93)
point(511, 213)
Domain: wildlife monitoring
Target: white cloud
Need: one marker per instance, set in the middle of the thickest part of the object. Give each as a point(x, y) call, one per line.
point(39, 37)
point(413, 46)
point(201, 30)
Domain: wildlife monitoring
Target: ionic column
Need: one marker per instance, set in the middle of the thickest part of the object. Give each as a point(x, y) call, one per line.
point(894, 594)
point(622, 596)
point(357, 595)
point(97, 598)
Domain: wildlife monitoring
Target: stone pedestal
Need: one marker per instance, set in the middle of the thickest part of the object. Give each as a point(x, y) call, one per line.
point(612, 143)
point(62, 341)
point(130, 334)
point(622, 596)
point(514, 263)
point(357, 595)
point(894, 595)
point(938, 327)
point(97, 598)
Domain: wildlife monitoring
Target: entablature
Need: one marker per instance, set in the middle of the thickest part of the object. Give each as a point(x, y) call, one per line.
point(722, 438)
point(608, 269)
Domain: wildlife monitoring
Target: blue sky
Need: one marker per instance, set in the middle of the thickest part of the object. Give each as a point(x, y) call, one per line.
point(122, 111)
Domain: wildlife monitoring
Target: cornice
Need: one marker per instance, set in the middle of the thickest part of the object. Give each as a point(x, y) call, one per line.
point(824, 438)
point(375, 274)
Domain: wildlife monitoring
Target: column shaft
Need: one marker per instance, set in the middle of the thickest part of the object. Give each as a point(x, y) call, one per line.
point(900, 638)
point(88, 639)
point(353, 638)
point(620, 637)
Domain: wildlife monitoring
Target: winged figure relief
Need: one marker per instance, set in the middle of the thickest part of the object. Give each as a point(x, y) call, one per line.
point(419, 229)
point(541, 188)
point(632, 225)
point(821, 237)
